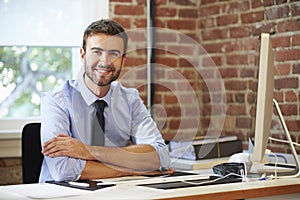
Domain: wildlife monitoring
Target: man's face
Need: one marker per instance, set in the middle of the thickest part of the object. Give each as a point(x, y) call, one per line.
point(103, 58)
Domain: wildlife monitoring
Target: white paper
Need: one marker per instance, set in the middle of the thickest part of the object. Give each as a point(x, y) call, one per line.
point(42, 191)
point(123, 192)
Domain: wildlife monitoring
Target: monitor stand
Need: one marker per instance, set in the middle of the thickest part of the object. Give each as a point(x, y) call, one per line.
point(279, 171)
point(293, 173)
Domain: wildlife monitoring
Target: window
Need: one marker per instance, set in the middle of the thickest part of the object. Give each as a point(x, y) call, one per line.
point(39, 48)
point(26, 72)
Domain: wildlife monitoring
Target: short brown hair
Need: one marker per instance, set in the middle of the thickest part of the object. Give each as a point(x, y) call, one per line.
point(105, 26)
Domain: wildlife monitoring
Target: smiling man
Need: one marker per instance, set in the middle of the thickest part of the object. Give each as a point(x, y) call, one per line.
point(70, 129)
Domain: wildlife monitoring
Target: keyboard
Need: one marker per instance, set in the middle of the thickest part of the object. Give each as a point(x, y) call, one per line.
point(212, 180)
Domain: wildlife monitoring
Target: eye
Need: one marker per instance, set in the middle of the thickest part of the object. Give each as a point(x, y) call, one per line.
point(114, 54)
point(97, 52)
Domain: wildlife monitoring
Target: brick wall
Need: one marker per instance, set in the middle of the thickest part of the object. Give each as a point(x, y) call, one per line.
point(10, 171)
point(228, 31)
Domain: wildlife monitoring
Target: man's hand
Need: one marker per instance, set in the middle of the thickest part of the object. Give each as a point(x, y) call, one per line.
point(64, 145)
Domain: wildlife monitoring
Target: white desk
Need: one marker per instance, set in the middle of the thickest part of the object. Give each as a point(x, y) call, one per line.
point(224, 191)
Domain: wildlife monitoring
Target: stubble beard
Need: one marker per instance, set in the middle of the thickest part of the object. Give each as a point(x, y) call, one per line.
point(101, 83)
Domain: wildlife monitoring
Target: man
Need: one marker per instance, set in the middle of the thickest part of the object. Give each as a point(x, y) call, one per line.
point(68, 118)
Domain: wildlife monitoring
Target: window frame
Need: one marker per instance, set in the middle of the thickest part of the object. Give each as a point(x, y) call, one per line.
point(11, 128)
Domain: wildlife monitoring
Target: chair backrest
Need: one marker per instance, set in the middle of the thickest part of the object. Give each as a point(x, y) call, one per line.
point(32, 157)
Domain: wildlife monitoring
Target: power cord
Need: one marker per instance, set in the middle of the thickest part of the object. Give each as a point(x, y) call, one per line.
point(283, 141)
point(268, 151)
point(217, 179)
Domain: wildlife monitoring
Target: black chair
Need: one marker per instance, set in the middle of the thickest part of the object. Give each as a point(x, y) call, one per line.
point(31, 152)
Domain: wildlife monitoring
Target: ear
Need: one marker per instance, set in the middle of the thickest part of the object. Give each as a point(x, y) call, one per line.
point(124, 57)
point(82, 54)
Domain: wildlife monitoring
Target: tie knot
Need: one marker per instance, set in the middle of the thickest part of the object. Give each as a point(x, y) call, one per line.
point(100, 105)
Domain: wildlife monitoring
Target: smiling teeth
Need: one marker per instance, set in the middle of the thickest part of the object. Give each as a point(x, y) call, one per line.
point(102, 70)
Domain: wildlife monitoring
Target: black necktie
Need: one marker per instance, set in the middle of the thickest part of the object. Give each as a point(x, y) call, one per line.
point(98, 137)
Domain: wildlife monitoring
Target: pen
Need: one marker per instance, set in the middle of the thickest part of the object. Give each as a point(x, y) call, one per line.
point(105, 184)
point(79, 184)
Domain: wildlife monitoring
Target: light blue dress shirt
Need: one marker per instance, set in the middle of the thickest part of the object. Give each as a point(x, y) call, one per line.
point(70, 109)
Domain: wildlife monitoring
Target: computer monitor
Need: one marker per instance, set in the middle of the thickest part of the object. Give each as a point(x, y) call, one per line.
point(264, 104)
point(264, 109)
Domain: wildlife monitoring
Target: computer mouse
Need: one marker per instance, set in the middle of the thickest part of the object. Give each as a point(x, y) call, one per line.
point(239, 158)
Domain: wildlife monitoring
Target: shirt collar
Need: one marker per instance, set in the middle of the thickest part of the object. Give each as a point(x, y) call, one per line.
point(88, 96)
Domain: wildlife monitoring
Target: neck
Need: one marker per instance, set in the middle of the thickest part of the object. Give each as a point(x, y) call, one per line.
point(99, 91)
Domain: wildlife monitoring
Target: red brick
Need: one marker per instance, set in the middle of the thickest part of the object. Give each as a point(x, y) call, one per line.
point(253, 84)
point(165, 12)
point(236, 59)
point(209, 10)
point(183, 2)
point(282, 69)
point(133, 61)
point(252, 17)
point(129, 10)
point(228, 72)
point(295, 9)
point(239, 98)
point(204, 2)
point(268, 2)
point(278, 96)
point(239, 32)
point(277, 12)
point(165, 37)
point(289, 82)
point(267, 27)
point(169, 61)
point(282, 41)
point(296, 68)
point(288, 109)
point(215, 34)
point(235, 85)
point(289, 25)
point(286, 55)
point(256, 4)
point(181, 24)
point(188, 13)
point(174, 123)
point(243, 122)
point(245, 72)
point(212, 61)
point(237, 6)
point(129, 1)
point(207, 23)
point(251, 98)
point(227, 19)
point(182, 50)
point(296, 40)
point(125, 22)
point(231, 46)
point(140, 23)
point(290, 96)
point(236, 109)
point(213, 47)
point(170, 99)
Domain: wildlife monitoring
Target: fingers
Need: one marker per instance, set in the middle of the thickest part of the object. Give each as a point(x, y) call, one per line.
point(57, 138)
point(56, 146)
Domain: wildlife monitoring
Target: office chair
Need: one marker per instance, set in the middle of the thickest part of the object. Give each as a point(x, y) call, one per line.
point(31, 152)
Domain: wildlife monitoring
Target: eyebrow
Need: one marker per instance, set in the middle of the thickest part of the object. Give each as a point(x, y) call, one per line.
point(111, 50)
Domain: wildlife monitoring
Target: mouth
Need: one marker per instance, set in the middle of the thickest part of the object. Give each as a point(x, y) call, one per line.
point(104, 71)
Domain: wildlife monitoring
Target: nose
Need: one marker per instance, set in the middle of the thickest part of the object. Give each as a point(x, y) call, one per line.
point(105, 59)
